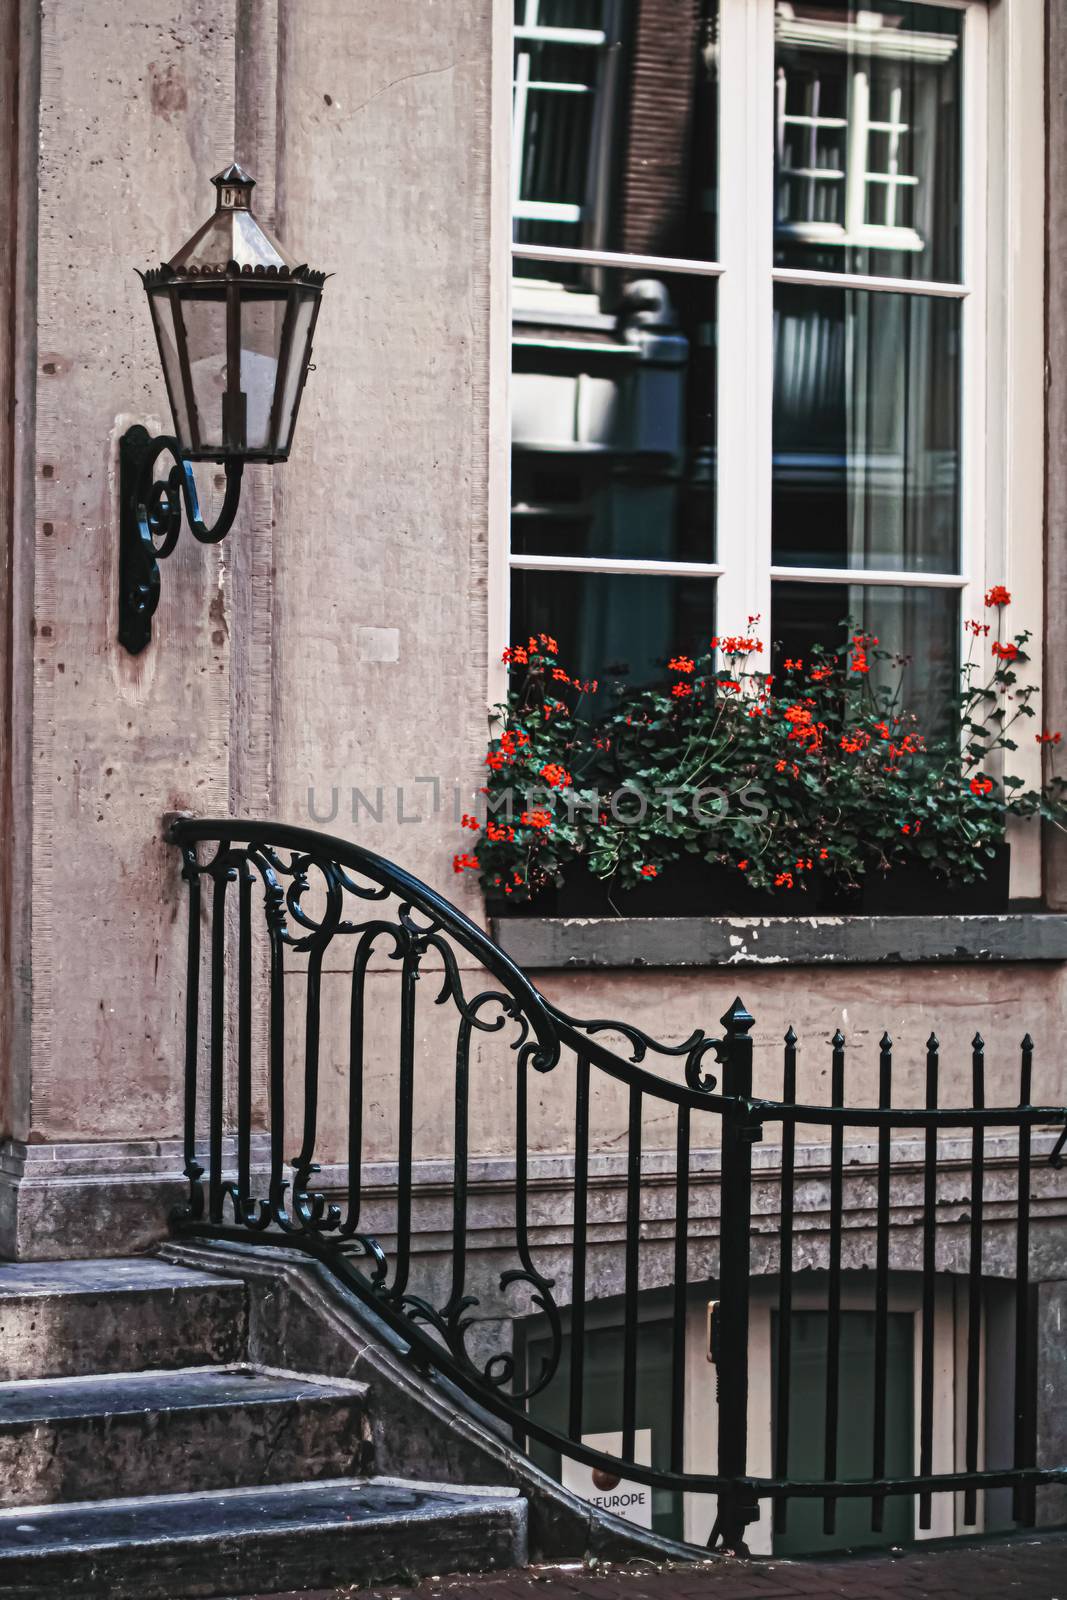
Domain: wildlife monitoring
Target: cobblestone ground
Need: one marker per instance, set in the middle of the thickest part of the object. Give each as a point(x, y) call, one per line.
point(1027, 1567)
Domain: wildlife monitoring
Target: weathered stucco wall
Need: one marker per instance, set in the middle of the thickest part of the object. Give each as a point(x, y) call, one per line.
point(136, 110)
point(380, 633)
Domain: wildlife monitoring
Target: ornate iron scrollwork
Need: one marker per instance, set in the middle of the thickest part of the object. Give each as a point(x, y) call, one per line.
point(150, 510)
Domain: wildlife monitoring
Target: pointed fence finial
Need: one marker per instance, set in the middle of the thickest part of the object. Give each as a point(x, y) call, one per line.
point(738, 1019)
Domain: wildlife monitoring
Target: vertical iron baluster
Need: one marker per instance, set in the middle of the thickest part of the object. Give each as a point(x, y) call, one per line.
point(405, 1123)
point(302, 1166)
point(1023, 1507)
point(581, 1223)
point(277, 1072)
point(681, 1284)
point(193, 1170)
point(785, 1285)
point(244, 1041)
point(633, 1235)
point(741, 1128)
point(355, 1083)
point(881, 1277)
point(926, 1397)
point(216, 1086)
point(833, 1331)
point(974, 1281)
point(522, 1196)
point(460, 1157)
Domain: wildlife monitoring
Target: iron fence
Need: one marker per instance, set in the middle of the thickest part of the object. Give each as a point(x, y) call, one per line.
point(299, 897)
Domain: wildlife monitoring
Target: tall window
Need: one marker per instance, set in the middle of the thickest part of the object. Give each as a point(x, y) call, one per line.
point(741, 330)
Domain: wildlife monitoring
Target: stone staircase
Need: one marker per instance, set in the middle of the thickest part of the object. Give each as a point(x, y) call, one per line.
point(142, 1455)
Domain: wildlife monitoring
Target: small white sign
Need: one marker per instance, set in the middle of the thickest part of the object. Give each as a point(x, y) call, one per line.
point(621, 1496)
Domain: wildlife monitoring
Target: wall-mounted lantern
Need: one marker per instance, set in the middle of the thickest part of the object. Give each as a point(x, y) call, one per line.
point(234, 316)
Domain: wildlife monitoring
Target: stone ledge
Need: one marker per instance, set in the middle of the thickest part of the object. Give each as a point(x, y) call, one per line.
point(107, 1198)
point(610, 942)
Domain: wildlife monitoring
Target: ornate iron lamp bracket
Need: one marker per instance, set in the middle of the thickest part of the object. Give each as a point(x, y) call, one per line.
point(150, 520)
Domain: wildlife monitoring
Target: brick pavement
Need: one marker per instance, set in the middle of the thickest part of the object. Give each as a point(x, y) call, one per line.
point(1022, 1567)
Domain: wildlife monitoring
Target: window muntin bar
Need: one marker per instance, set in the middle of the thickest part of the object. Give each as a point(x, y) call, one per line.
point(613, 258)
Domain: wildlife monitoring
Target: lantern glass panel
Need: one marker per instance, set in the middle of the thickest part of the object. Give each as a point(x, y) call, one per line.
point(205, 332)
point(293, 376)
point(262, 322)
point(163, 319)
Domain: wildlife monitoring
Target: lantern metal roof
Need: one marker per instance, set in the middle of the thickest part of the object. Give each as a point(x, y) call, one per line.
point(233, 241)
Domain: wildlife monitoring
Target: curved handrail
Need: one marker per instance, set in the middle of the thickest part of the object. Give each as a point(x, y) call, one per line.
point(556, 1027)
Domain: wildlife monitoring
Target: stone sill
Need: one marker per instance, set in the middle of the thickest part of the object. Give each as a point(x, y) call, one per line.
point(584, 943)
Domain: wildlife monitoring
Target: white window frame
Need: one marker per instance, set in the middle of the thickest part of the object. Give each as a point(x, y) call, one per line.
point(1000, 291)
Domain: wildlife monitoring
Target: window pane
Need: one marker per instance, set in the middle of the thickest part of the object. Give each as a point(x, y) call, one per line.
point(261, 337)
point(294, 375)
point(615, 126)
point(866, 430)
point(922, 625)
point(205, 332)
point(613, 417)
point(610, 626)
point(163, 318)
point(867, 137)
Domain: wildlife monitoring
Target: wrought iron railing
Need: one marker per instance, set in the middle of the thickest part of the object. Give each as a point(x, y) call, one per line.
point(292, 911)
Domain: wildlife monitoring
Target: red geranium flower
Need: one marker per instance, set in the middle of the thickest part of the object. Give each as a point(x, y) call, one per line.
point(1006, 652)
point(997, 596)
point(537, 819)
point(981, 785)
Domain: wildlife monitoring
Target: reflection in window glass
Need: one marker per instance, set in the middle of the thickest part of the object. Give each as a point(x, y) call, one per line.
point(866, 430)
point(867, 137)
point(614, 627)
point(613, 418)
point(615, 125)
point(922, 625)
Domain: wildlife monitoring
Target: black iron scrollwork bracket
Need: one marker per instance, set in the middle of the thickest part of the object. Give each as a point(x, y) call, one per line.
point(150, 520)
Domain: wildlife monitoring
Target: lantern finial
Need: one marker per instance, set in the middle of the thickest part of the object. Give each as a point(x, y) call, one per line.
point(233, 238)
point(234, 186)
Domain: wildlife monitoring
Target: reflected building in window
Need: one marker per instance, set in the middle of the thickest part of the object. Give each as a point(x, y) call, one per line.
point(613, 396)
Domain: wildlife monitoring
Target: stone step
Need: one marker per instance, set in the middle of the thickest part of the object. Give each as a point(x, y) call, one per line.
point(64, 1439)
point(242, 1541)
point(69, 1318)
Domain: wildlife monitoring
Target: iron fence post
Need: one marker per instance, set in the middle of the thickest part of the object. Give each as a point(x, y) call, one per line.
point(738, 1505)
